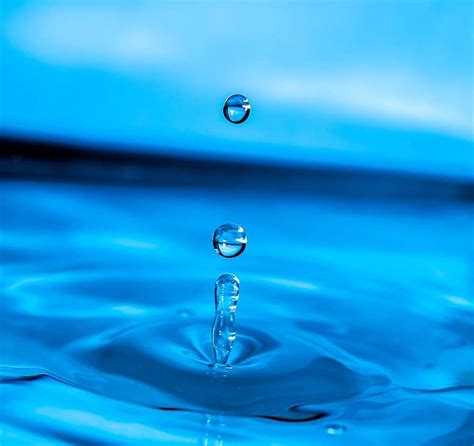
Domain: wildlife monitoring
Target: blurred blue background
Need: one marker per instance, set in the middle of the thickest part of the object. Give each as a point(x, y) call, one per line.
point(356, 83)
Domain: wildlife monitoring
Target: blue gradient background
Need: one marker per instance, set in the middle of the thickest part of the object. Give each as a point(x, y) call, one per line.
point(378, 84)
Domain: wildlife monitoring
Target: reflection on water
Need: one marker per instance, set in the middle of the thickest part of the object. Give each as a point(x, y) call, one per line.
point(357, 326)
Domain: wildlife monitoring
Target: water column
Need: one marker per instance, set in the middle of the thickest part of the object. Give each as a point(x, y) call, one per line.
point(229, 240)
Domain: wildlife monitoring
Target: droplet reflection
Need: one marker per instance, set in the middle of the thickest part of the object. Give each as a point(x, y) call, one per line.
point(229, 240)
point(237, 108)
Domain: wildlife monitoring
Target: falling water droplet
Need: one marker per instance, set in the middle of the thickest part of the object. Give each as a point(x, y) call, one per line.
point(229, 240)
point(336, 429)
point(237, 108)
point(226, 295)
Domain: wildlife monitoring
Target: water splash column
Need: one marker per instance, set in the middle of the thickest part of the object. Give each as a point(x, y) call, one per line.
point(226, 295)
point(229, 240)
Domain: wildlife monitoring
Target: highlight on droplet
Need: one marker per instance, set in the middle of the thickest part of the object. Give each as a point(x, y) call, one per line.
point(229, 240)
point(236, 108)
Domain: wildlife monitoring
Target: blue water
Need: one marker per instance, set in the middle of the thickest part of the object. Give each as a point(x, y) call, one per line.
point(355, 322)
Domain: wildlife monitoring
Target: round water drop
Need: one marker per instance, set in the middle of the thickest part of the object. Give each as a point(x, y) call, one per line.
point(335, 429)
point(229, 240)
point(236, 108)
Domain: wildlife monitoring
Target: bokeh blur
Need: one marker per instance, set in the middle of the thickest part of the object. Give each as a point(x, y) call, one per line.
point(384, 85)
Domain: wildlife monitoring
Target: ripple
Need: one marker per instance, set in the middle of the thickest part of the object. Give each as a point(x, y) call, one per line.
point(98, 312)
point(172, 358)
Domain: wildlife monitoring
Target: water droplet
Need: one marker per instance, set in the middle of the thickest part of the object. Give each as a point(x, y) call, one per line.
point(236, 109)
point(229, 240)
point(226, 295)
point(336, 429)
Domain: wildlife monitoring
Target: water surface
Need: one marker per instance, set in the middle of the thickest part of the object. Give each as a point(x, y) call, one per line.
point(355, 321)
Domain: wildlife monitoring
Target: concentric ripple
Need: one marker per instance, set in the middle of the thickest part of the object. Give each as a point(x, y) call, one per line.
point(104, 323)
